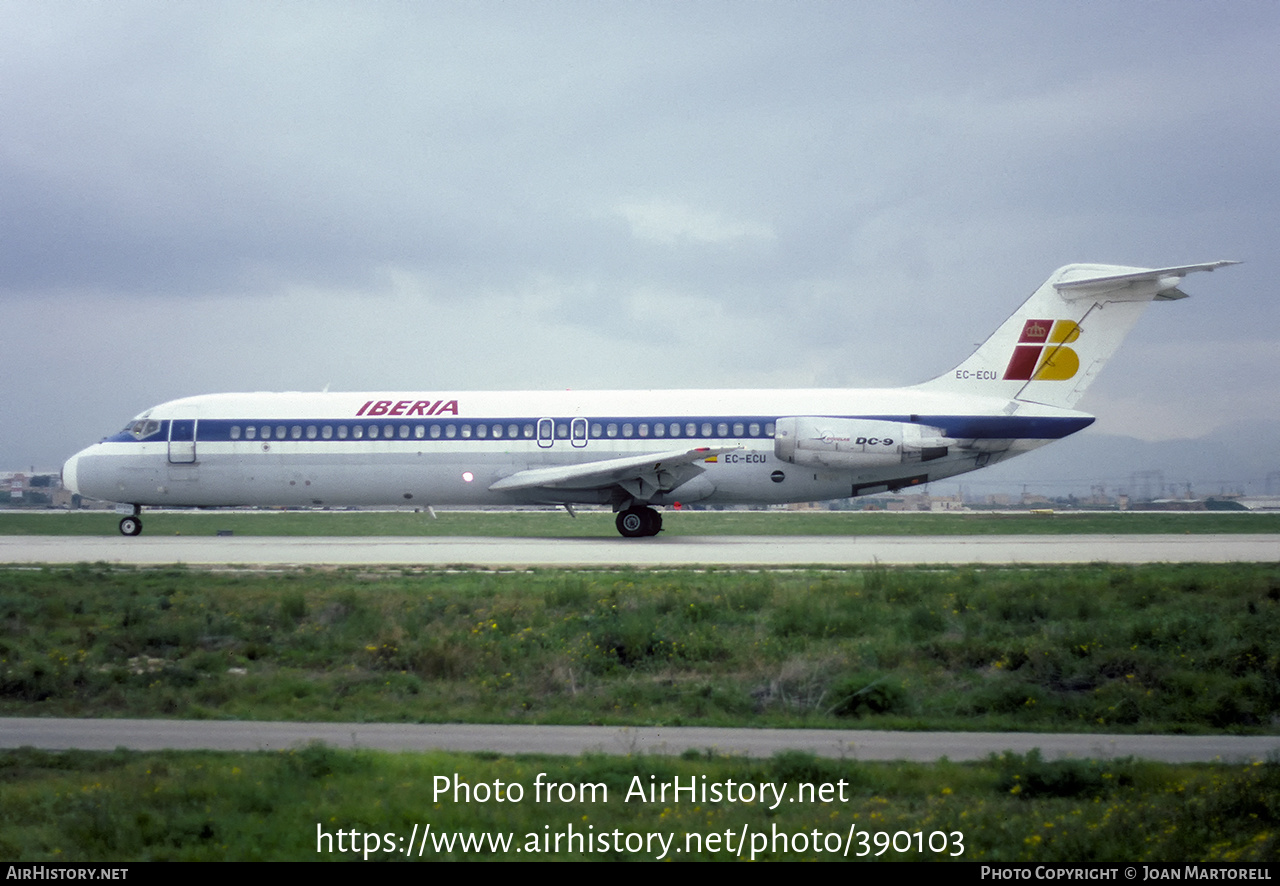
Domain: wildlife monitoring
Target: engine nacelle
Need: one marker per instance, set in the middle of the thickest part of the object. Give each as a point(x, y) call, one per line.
point(851, 444)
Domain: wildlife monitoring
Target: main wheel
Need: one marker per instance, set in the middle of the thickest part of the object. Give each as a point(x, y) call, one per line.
point(632, 523)
point(639, 522)
point(131, 526)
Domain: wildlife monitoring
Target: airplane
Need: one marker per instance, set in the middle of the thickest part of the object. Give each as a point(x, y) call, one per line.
point(633, 450)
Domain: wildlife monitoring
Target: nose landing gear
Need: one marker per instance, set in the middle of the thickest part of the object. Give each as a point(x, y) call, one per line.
point(131, 525)
point(639, 522)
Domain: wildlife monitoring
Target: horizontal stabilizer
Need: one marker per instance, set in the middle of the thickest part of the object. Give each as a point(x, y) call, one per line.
point(609, 472)
point(1167, 280)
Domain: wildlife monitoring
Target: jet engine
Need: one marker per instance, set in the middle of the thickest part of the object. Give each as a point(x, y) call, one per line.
point(852, 444)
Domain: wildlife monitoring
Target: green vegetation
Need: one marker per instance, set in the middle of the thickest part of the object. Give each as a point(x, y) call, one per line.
point(268, 806)
point(557, 524)
point(1171, 648)
point(1176, 648)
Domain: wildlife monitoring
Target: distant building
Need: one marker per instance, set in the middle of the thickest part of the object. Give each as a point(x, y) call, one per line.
point(36, 490)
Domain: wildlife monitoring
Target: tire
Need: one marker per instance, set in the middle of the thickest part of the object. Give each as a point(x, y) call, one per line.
point(131, 526)
point(639, 522)
point(632, 523)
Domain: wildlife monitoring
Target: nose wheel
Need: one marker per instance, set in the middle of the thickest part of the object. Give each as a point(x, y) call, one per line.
point(639, 522)
point(131, 526)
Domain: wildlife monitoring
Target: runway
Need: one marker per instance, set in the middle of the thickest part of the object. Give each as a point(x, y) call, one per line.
point(740, 551)
point(223, 735)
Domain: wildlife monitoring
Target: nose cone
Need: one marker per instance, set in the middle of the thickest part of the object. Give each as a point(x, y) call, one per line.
point(69, 473)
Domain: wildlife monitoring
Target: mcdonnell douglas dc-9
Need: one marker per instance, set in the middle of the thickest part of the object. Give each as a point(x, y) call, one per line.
point(633, 450)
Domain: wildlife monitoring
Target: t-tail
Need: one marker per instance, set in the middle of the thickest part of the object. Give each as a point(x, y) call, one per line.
point(1053, 346)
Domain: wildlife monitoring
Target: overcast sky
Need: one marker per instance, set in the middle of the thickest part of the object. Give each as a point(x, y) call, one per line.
point(445, 196)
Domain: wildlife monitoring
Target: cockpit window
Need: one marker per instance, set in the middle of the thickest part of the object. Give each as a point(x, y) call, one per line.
point(143, 428)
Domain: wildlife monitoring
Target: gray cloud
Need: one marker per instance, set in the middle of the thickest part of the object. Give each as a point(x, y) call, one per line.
point(249, 196)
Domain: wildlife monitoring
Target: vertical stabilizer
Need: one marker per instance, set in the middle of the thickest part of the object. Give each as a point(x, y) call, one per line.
point(1053, 346)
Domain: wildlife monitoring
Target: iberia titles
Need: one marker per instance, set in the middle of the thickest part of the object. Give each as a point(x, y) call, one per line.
point(409, 407)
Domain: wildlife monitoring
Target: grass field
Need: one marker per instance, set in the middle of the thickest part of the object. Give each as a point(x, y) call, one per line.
point(558, 524)
point(1170, 648)
point(287, 805)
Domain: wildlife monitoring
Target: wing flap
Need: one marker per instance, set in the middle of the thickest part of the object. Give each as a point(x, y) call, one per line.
point(638, 474)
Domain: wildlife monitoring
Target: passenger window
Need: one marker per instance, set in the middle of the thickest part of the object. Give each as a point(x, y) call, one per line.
point(281, 432)
point(737, 429)
point(722, 429)
point(768, 429)
point(497, 430)
point(466, 431)
point(611, 430)
point(627, 429)
point(327, 432)
point(659, 430)
point(235, 432)
point(754, 429)
point(527, 432)
point(513, 430)
point(706, 429)
point(451, 431)
point(404, 432)
point(435, 432)
point(482, 431)
point(250, 432)
point(691, 430)
point(644, 429)
point(419, 432)
point(311, 432)
point(675, 429)
point(562, 431)
point(358, 432)
point(596, 430)
point(342, 432)
point(373, 432)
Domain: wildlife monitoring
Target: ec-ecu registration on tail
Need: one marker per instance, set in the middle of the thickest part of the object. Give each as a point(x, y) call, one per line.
point(634, 450)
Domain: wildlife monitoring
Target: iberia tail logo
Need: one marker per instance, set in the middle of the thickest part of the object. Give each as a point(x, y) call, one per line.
point(1042, 352)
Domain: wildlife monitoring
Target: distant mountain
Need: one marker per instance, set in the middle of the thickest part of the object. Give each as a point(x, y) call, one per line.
point(1237, 458)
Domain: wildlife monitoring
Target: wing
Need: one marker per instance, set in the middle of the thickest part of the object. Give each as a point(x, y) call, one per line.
point(640, 475)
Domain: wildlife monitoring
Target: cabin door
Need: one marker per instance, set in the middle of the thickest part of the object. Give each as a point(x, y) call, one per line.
point(182, 437)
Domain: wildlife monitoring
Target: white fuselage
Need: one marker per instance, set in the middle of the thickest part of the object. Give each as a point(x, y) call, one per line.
point(449, 448)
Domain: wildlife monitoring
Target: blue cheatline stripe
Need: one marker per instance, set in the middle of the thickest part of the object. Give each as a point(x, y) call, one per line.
point(956, 426)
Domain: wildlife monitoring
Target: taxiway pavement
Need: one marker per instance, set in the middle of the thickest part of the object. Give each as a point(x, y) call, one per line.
point(223, 735)
point(742, 551)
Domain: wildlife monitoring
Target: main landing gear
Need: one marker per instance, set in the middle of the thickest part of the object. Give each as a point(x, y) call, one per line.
point(639, 522)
